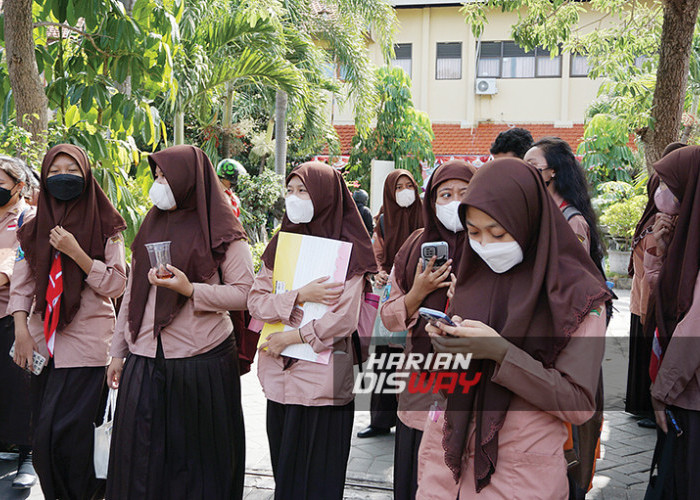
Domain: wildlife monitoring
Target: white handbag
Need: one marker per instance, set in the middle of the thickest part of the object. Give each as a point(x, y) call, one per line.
point(103, 437)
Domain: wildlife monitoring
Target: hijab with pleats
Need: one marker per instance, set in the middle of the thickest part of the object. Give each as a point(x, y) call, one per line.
point(536, 305)
point(200, 229)
point(90, 218)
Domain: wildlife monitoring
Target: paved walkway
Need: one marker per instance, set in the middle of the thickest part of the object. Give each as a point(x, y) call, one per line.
point(621, 473)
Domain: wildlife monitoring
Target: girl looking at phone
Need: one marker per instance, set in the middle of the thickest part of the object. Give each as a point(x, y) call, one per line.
point(529, 304)
point(413, 286)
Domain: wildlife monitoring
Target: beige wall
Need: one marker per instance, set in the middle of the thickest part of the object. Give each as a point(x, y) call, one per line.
point(559, 100)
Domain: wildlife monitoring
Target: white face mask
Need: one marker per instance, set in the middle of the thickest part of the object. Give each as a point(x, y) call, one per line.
point(299, 211)
point(162, 196)
point(405, 198)
point(449, 216)
point(500, 257)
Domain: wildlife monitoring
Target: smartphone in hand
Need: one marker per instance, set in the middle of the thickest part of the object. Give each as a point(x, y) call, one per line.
point(438, 249)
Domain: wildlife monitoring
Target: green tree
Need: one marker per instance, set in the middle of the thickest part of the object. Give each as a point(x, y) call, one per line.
point(342, 27)
point(636, 28)
point(403, 134)
point(606, 155)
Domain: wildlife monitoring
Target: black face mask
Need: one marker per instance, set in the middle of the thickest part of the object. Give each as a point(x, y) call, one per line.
point(65, 187)
point(5, 196)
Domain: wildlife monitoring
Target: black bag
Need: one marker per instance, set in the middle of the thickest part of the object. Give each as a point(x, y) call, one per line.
point(663, 461)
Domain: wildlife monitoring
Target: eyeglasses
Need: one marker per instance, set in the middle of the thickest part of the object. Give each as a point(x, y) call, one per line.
point(539, 169)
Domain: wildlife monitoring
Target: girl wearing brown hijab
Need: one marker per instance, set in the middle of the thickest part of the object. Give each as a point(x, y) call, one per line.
point(399, 217)
point(178, 428)
point(310, 405)
point(529, 304)
point(637, 398)
point(413, 287)
point(71, 266)
point(675, 318)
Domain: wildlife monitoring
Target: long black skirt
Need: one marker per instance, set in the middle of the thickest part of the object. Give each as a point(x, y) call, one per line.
point(15, 403)
point(406, 461)
point(383, 406)
point(309, 448)
point(682, 483)
point(638, 398)
point(67, 402)
point(178, 429)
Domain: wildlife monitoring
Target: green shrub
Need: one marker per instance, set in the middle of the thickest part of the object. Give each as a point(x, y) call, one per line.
point(621, 218)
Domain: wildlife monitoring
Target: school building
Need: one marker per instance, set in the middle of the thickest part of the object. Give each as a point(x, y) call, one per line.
point(473, 88)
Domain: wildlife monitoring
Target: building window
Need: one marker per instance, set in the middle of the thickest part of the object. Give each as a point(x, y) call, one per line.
point(489, 60)
point(403, 53)
point(449, 61)
point(508, 60)
point(516, 63)
point(547, 66)
point(579, 65)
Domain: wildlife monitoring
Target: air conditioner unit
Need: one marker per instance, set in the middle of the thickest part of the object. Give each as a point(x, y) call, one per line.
point(486, 86)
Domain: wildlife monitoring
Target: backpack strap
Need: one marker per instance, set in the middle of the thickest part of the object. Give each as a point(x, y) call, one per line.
point(381, 225)
point(570, 211)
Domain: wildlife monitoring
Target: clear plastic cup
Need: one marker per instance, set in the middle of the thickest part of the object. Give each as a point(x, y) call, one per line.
point(159, 255)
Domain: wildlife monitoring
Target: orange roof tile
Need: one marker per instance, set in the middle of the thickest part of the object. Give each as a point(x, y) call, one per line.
point(452, 139)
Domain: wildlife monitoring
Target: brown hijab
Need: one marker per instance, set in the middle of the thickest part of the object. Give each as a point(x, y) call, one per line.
point(335, 217)
point(409, 254)
point(680, 170)
point(645, 224)
point(399, 222)
point(90, 217)
point(537, 305)
point(200, 229)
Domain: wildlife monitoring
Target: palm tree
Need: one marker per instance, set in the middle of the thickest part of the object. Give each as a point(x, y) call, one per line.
point(224, 48)
point(343, 26)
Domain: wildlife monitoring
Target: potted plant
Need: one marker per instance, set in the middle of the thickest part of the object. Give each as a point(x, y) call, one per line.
point(402, 137)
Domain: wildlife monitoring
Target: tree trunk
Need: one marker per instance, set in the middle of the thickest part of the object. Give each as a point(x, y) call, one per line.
point(27, 88)
point(281, 132)
point(672, 76)
point(228, 123)
point(179, 134)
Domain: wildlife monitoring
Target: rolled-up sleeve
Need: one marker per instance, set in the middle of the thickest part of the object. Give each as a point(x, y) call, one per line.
point(21, 287)
point(108, 278)
point(264, 305)
point(393, 311)
point(566, 391)
point(237, 276)
point(340, 321)
point(681, 361)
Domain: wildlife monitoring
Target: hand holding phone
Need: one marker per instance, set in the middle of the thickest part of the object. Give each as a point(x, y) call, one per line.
point(38, 361)
point(434, 317)
point(438, 249)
